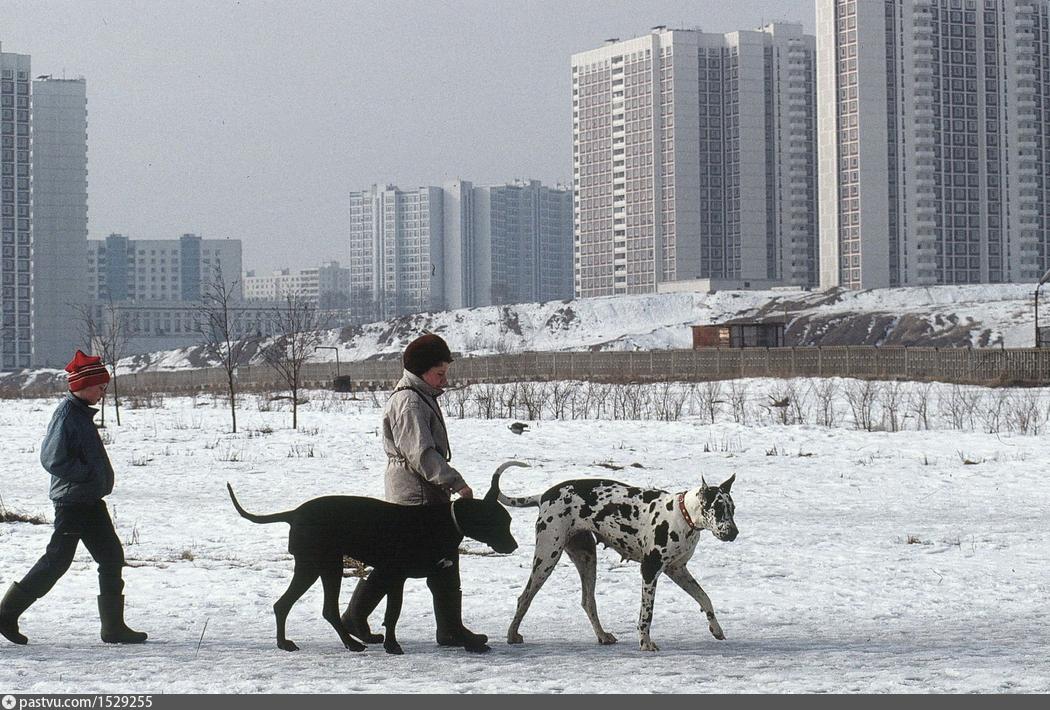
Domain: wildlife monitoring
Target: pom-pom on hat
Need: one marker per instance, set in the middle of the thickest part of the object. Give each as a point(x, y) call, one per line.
point(425, 352)
point(86, 371)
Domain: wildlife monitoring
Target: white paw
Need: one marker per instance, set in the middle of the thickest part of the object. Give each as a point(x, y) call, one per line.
point(648, 645)
point(605, 638)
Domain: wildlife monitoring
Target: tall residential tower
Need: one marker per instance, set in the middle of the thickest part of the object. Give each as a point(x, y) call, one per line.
point(934, 141)
point(694, 157)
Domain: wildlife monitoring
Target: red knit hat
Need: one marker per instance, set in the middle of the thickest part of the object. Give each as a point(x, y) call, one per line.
point(86, 371)
point(425, 352)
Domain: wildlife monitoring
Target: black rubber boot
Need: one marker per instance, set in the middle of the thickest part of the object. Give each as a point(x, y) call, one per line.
point(114, 630)
point(448, 611)
point(366, 598)
point(14, 603)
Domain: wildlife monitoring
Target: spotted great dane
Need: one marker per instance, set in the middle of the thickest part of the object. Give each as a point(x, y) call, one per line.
point(656, 528)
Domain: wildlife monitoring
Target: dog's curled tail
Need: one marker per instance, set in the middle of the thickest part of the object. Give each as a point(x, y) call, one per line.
point(274, 518)
point(529, 502)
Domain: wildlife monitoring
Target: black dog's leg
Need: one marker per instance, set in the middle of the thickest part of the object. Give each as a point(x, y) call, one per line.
point(583, 551)
point(395, 592)
point(304, 576)
point(332, 580)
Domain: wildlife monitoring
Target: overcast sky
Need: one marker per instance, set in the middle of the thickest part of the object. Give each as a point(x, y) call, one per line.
point(253, 120)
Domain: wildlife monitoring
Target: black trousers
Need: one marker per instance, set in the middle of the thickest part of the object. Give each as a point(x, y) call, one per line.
point(90, 524)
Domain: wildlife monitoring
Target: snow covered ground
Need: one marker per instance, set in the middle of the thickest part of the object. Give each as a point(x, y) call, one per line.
point(909, 561)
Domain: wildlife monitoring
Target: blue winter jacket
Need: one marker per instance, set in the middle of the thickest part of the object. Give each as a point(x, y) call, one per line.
point(73, 453)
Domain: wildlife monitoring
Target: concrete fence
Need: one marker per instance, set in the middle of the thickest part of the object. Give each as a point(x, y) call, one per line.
point(958, 365)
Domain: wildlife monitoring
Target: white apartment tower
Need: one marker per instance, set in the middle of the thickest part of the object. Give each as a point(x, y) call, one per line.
point(934, 141)
point(694, 157)
point(396, 252)
point(458, 246)
point(16, 236)
point(60, 218)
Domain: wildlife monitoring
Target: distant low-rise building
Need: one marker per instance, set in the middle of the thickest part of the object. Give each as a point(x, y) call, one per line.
point(121, 269)
point(327, 285)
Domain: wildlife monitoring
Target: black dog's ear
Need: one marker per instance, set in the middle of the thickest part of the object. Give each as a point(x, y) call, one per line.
point(728, 483)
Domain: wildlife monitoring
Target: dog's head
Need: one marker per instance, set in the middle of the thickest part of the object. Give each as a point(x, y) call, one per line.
point(717, 507)
point(486, 520)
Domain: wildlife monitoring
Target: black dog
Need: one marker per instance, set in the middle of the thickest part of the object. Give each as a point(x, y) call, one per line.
point(400, 540)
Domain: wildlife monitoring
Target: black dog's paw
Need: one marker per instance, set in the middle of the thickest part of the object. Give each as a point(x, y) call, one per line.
point(394, 649)
point(354, 645)
point(287, 645)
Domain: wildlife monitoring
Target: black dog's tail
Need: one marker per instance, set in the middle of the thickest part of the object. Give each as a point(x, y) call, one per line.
point(274, 518)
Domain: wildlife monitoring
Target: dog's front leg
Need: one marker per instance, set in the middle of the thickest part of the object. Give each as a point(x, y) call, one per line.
point(683, 579)
point(652, 566)
point(394, 597)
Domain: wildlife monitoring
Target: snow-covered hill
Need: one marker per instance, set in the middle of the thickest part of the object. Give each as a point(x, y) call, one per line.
point(945, 316)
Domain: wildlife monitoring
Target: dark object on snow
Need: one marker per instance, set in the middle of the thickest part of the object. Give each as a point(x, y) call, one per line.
point(397, 541)
point(518, 427)
point(343, 383)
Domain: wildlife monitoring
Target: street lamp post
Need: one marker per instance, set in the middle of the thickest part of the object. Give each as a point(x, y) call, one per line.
point(330, 347)
point(1046, 277)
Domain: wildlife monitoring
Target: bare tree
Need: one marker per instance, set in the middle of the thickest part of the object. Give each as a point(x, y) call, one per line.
point(297, 328)
point(107, 330)
point(217, 316)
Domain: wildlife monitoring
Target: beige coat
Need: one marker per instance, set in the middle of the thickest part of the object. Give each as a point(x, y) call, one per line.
point(416, 445)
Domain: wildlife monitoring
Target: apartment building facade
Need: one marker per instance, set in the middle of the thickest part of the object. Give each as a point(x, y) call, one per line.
point(327, 286)
point(122, 269)
point(935, 141)
point(694, 157)
point(457, 246)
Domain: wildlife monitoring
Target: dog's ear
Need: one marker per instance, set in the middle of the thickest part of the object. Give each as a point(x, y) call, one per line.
point(728, 484)
point(703, 483)
point(493, 495)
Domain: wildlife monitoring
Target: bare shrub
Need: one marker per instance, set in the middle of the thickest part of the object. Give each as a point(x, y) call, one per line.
point(561, 393)
point(456, 399)
point(486, 400)
point(956, 406)
point(993, 408)
point(919, 405)
point(709, 400)
point(862, 395)
point(1026, 414)
point(891, 399)
point(738, 401)
point(531, 397)
point(669, 400)
point(825, 392)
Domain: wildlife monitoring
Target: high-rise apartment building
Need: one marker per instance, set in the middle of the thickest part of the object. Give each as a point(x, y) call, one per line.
point(43, 214)
point(60, 218)
point(16, 236)
point(934, 141)
point(120, 269)
point(524, 236)
point(694, 158)
point(457, 246)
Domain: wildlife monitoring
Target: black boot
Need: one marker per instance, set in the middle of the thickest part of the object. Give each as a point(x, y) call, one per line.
point(14, 603)
point(367, 595)
point(448, 611)
point(114, 630)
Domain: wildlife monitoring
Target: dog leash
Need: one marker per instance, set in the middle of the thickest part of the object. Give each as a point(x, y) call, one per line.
point(455, 522)
point(685, 513)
